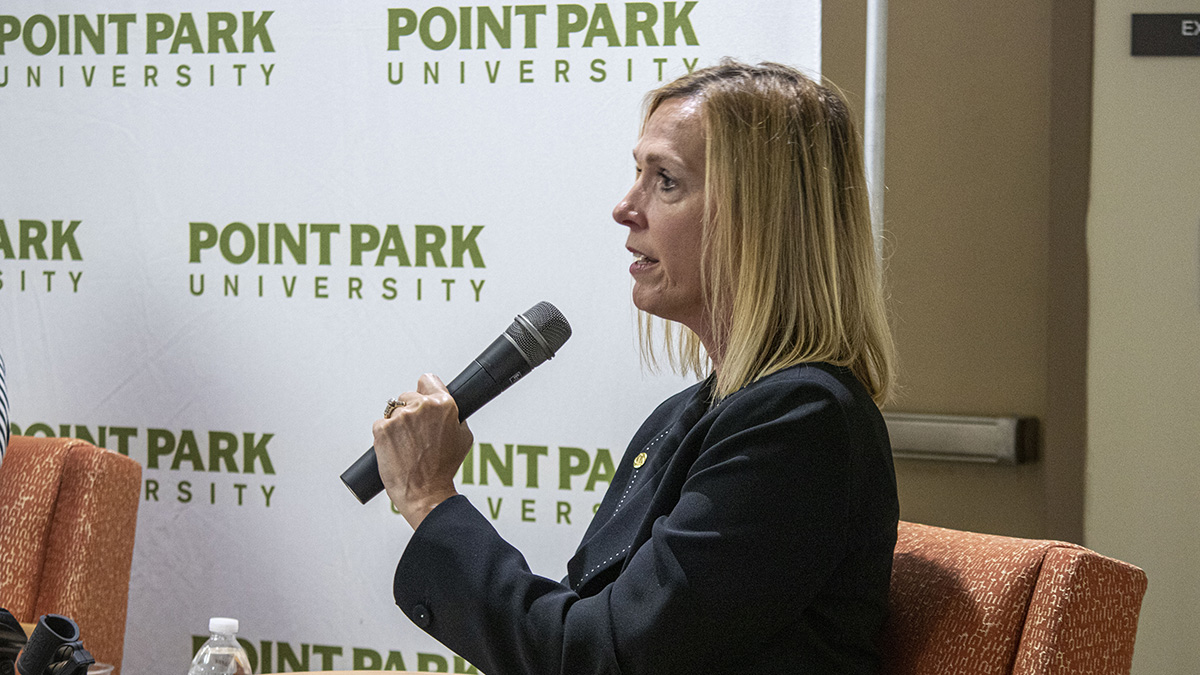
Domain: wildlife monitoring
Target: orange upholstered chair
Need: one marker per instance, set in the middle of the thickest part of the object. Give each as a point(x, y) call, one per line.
point(67, 516)
point(981, 604)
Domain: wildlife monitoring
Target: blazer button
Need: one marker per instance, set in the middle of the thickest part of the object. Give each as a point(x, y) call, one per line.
point(420, 616)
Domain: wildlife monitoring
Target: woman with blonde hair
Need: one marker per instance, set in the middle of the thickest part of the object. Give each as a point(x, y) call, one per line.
point(751, 524)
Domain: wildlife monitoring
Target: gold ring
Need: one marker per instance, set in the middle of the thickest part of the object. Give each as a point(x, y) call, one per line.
point(392, 404)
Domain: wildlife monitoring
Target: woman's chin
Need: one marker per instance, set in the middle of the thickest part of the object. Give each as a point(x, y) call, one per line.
point(657, 309)
point(644, 303)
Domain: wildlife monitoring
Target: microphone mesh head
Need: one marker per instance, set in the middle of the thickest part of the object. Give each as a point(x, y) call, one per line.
point(550, 326)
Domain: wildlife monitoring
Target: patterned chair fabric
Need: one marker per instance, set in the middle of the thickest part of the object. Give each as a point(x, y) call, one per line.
point(980, 604)
point(68, 511)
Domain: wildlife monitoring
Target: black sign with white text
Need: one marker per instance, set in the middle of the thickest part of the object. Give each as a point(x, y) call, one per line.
point(1166, 35)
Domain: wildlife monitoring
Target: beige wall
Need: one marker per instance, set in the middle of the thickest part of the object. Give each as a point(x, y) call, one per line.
point(1143, 488)
point(981, 98)
point(1000, 125)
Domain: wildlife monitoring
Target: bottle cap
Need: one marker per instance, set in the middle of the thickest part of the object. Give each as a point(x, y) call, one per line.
point(220, 624)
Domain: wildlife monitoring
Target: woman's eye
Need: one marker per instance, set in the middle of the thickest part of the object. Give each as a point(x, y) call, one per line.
point(665, 180)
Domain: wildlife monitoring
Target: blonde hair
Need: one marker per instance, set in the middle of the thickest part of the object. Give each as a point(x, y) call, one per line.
point(789, 266)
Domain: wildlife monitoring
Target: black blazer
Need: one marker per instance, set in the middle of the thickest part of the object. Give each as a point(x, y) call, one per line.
point(753, 536)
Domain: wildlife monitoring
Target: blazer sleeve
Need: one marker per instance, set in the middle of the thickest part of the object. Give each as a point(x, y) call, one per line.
point(761, 523)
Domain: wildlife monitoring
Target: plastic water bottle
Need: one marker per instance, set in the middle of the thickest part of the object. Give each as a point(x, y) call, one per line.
point(221, 655)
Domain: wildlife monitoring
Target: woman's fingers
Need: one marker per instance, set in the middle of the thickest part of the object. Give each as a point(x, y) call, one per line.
point(432, 387)
point(431, 384)
point(420, 448)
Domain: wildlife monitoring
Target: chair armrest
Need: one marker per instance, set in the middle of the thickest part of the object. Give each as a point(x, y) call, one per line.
point(1083, 615)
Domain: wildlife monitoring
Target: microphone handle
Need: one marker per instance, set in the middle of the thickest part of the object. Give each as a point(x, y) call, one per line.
point(493, 371)
point(477, 384)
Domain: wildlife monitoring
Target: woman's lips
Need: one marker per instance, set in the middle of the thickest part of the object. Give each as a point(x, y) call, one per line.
point(641, 262)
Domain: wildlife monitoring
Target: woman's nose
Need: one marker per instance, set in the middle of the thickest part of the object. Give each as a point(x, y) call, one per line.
point(627, 212)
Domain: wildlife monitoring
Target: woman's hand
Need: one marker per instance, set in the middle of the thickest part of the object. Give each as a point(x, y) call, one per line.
point(420, 448)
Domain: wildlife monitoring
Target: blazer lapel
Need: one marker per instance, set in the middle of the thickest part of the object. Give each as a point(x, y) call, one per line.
point(625, 512)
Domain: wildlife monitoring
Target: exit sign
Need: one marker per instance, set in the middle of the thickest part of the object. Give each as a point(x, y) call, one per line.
point(1166, 35)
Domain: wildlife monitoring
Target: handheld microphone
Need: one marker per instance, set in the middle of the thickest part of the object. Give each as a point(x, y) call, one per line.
point(530, 341)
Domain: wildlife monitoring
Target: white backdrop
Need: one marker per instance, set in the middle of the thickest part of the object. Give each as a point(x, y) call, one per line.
point(178, 276)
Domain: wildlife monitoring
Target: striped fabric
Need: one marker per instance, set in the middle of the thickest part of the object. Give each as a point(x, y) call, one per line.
point(3, 411)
